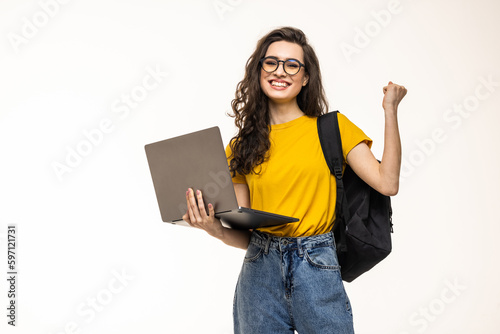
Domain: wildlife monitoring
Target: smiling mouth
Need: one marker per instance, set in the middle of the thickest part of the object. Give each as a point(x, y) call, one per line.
point(279, 83)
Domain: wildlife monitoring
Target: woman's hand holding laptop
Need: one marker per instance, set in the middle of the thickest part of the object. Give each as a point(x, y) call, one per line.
point(197, 216)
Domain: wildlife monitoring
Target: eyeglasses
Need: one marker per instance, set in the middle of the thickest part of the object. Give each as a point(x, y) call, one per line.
point(271, 64)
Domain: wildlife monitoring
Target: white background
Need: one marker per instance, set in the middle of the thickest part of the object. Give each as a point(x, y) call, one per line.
point(63, 74)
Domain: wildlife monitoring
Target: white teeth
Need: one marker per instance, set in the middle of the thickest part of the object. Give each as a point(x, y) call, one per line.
point(279, 84)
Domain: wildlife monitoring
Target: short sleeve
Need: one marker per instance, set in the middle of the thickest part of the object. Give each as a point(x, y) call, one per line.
point(351, 135)
point(238, 178)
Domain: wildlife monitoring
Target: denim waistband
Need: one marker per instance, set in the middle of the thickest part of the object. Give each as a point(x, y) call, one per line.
point(268, 241)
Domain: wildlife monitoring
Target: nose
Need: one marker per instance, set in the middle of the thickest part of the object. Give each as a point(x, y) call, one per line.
point(280, 71)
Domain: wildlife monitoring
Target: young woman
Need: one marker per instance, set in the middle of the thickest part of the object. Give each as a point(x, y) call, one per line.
point(290, 279)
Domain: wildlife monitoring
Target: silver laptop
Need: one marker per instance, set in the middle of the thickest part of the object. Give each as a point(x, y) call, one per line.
point(197, 160)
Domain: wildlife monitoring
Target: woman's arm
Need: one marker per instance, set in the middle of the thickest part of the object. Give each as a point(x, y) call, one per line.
point(197, 217)
point(383, 176)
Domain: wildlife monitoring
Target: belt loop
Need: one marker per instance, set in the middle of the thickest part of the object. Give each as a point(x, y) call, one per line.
point(299, 246)
point(332, 236)
point(268, 242)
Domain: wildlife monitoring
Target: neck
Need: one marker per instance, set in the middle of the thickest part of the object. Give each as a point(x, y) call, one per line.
point(284, 112)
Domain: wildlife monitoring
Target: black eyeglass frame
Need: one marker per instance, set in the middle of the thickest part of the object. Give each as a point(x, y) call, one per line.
point(278, 64)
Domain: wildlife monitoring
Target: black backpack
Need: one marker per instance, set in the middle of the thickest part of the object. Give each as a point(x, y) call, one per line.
point(363, 224)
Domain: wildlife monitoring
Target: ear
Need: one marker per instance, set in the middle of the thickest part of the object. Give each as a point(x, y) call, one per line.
point(305, 80)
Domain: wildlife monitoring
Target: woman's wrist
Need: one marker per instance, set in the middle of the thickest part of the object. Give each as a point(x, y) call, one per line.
point(234, 238)
point(391, 111)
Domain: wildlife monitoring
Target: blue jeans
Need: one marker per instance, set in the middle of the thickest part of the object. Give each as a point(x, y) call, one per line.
point(289, 284)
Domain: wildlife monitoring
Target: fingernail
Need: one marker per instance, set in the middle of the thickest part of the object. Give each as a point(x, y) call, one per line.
point(197, 192)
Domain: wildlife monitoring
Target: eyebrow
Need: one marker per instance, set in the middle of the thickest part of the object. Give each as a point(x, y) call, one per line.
point(282, 59)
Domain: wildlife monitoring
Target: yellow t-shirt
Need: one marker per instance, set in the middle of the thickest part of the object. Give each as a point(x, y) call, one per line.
point(295, 180)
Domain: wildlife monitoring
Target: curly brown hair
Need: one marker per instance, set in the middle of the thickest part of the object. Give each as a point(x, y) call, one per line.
point(250, 106)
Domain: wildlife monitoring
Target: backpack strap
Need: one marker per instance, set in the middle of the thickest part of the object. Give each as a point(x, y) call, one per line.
point(331, 144)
